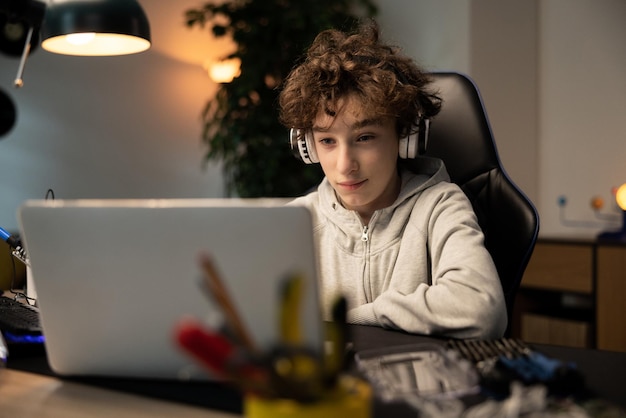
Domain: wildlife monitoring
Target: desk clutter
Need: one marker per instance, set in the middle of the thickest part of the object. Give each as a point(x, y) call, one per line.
point(480, 378)
point(288, 379)
point(442, 379)
point(503, 361)
point(20, 323)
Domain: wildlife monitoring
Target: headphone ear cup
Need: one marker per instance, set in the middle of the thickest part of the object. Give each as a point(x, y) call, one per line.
point(422, 140)
point(403, 147)
point(302, 145)
point(408, 145)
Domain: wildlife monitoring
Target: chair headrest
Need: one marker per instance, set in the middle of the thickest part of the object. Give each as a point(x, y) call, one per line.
point(460, 134)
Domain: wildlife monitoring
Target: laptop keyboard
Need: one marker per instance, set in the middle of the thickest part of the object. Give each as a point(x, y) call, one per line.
point(19, 322)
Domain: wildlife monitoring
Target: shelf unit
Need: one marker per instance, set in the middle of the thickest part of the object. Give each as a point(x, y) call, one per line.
point(573, 293)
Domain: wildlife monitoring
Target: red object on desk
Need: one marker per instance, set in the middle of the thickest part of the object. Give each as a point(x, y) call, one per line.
point(212, 350)
point(217, 353)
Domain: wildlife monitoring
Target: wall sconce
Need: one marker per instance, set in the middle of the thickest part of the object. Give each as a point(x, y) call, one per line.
point(620, 198)
point(223, 71)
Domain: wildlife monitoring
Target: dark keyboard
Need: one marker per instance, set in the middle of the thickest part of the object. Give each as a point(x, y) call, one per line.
point(19, 322)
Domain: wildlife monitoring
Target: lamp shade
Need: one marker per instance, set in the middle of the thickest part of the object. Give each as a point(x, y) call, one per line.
point(95, 27)
point(8, 114)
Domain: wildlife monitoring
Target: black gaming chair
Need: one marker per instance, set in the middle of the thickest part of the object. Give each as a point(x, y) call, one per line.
point(461, 136)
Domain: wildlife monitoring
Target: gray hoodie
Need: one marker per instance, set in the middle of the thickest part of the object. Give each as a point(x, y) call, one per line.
point(420, 265)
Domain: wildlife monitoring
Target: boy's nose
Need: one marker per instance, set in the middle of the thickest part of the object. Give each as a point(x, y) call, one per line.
point(346, 160)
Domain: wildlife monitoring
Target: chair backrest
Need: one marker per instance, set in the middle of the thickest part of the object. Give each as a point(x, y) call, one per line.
point(461, 136)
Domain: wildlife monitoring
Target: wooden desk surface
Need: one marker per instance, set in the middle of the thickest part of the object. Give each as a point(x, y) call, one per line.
point(24, 394)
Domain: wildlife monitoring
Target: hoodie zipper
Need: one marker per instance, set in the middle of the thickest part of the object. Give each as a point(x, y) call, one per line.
point(365, 234)
point(365, 237)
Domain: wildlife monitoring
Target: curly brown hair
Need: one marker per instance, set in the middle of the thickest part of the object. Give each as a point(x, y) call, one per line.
point(387, 82)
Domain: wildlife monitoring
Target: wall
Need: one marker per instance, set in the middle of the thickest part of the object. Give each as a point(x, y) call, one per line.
point(504, 50)
point(551, 74)
point(433, 32)
point(111, 127)
point(582, 102)
point(496, 44)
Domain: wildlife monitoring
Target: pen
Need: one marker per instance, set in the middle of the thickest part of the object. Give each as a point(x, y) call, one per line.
point(6, 236)
point(215, 286)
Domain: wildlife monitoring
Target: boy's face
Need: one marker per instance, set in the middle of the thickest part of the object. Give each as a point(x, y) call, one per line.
point(359, 155)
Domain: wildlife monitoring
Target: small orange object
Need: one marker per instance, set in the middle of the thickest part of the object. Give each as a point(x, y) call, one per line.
point(597, 203)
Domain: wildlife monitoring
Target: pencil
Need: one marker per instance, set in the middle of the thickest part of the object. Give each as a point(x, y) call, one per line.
point(219, 293)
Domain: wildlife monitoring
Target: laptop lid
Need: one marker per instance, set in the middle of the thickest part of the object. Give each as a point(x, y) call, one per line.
point(114, 277)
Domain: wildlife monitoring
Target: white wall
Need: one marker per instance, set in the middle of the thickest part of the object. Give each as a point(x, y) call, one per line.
point(434, 32)
point(582, 103)
point(495, 43)
point(551, 73)
point(504, 56)
point(111, 127)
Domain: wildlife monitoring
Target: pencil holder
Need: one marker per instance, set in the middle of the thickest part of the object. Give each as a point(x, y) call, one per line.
point(352, 398)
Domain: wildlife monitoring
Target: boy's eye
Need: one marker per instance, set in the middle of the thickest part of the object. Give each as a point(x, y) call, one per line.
point(326, 141)
point(365, 137)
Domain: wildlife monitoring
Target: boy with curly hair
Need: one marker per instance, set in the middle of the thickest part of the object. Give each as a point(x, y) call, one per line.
point(402, 246)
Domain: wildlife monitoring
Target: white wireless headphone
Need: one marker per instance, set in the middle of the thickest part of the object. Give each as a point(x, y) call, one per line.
point(410, 146)
point(302, 145)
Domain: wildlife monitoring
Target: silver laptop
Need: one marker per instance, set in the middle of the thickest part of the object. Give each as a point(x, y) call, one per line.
point(114, 277)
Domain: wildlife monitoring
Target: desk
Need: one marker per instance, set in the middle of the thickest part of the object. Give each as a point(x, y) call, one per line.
point(24, 393)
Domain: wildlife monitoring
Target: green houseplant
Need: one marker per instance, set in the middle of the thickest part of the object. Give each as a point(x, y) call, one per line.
point(241, 128)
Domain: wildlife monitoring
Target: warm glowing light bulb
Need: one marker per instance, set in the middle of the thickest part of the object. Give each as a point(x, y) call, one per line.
point(620, 196)
point(80, 38)
point(224, 71)
point(95, 44)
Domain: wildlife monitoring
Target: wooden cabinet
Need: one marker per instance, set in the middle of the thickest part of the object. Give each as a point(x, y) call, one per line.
point(611, 297)
point(550, 330)
point(561, 267)
point(574, 293)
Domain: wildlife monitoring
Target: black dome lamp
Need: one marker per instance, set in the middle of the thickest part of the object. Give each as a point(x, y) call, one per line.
point(95, 27)
point(80, 27)
point(8, 114)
